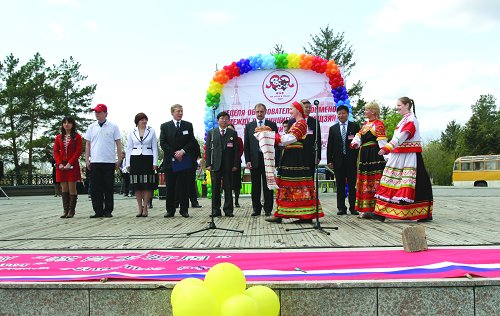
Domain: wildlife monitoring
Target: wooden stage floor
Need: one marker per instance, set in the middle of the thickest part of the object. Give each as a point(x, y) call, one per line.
point(462, 217)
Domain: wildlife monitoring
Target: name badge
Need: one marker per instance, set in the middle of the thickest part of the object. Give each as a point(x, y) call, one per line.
point(350, 137)
point(310, 132)
point(230, 145)
point(184, 132)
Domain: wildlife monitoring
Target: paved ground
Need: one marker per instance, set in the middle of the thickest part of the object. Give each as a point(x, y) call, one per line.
point(461, 217)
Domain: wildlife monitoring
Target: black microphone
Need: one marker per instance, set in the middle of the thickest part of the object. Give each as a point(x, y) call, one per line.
point(316, 102)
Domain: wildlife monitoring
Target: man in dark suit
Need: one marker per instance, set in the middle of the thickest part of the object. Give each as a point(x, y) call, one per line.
point(178, 144)
point(255, 162)
point(221, 160)
point(342, 158)
point(311, 158)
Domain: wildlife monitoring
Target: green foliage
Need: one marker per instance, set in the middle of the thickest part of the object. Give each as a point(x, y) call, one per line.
point(358, 111)
point(482, 132)
point(451, 138)
point(33, 100)
point(277, 49)
point(328, 45)
point(332, 46)
point(391, 118)
point(438, 162)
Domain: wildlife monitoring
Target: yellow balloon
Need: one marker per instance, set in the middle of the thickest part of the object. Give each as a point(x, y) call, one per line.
point(184, 284)
point(239, 305)
point(267, 300)
point(195, 300)
point(225, 280)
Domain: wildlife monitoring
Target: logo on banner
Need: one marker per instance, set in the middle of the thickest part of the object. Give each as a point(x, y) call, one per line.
point(280, 87)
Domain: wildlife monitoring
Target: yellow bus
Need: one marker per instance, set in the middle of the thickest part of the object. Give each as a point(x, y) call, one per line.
point(477, 171)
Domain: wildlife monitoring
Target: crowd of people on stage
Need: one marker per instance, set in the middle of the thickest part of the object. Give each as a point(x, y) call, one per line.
point(381, 178)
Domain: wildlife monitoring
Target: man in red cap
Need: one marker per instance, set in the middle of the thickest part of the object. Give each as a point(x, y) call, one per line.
point(102, 160)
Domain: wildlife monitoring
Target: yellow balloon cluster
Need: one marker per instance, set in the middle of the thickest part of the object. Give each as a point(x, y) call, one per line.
point(223, 293)
point(215, 87)
point(294, 60)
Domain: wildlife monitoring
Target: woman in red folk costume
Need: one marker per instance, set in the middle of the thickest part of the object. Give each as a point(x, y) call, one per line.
point(296, 195)
point(405, 190)
point(370, 138)
point(67, 151)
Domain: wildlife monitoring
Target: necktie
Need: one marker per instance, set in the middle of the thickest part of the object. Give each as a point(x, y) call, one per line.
point(178, 124)
point(343, 134)
point(222, 132)
point(260, 123)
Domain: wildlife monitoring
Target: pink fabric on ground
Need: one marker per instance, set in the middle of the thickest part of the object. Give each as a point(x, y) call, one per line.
point(257, 266)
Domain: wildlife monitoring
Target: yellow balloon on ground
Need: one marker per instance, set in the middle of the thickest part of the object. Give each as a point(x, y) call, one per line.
point(267, 300)
point(239, 305)
point(195, 300)
point(225, 280)
point(184, 284)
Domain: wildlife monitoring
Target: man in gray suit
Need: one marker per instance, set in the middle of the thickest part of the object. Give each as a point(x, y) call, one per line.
point(255, 161)
point(221, 160)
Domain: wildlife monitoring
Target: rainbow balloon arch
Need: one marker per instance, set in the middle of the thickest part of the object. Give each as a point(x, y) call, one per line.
point(276, 61)
point(269, 62)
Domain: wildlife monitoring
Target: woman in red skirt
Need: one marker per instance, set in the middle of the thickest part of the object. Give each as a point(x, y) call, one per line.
point(370, 138)
point(67, 151)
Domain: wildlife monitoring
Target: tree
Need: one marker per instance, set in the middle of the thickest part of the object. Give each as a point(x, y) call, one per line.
point(391, 118)
point(451, 138)
point(277, 49)
point(33, 100)
point(328, 45)
point(35, 91)
point(481, 133)
point(71, 97)
point(11, 131)
point(439, 163)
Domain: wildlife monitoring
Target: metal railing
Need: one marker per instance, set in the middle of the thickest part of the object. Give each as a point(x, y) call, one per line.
point(37, 179)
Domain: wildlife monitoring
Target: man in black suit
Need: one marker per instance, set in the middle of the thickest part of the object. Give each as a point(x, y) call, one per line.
point(221, 160)
point(342, 158)
point(255, 162)
point(310, 157)
point(178, 144)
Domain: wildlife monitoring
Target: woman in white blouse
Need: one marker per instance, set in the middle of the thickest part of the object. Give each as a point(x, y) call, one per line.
point(142, 157)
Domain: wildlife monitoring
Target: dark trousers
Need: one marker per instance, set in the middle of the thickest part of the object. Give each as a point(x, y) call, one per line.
point(182, 181)
point(341, 174)
point(226, 178)
point(125, 187)
point(193, 194)
point(259, 183)
point(102, 181)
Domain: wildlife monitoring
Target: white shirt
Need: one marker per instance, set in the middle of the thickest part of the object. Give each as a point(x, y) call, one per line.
point(147, 146)
point(102, 141)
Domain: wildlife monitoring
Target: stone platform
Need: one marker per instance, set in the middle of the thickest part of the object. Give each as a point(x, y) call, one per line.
point(463, 217)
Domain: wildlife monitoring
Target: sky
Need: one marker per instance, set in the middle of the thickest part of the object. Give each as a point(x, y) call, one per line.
point(146, 55)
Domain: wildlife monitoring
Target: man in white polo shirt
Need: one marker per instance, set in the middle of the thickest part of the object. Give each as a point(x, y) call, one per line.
point(101, 137)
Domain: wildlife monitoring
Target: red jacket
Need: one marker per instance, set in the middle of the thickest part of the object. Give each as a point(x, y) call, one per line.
point(74, 150)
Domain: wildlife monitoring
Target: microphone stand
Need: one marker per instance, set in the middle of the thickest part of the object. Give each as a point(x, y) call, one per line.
point(317, 224)
point(211, 224)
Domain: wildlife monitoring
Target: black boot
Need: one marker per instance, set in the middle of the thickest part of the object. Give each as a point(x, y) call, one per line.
point(65, 200)
point(72, 205)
